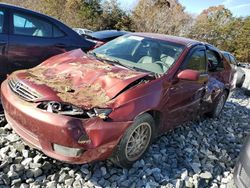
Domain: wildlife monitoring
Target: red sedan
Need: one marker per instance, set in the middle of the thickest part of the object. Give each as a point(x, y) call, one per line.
point(114, 101)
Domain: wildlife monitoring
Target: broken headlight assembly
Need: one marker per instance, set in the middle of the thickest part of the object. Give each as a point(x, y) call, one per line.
point(71, 110)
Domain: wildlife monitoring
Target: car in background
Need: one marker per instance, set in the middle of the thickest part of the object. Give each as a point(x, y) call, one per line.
point(115, 100)
point(242, 167)
point(27, 38)
point(82, 31)
point(244, 65)
point(101, 37)
point(241, 76)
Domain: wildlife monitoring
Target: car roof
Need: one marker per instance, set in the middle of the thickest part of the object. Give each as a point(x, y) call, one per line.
point(225, 52)
point(14, 7)
point(175, 39)
point(107, 33)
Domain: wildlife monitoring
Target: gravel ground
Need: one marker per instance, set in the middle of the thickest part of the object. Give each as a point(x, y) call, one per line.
point(197, 154)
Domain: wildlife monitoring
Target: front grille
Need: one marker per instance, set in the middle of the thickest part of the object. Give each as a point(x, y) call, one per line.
point(245, 179)
point(22, 90)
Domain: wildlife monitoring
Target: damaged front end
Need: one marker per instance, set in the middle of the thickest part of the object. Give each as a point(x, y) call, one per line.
point(81, 99)
point(74, 111)
point(79, 86)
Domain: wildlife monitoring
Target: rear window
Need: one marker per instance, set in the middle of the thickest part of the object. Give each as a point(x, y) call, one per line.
point(57, 32)
point(31, 26)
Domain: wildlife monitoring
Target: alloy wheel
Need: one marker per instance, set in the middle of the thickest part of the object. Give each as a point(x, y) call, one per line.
point(138, 141)
point(220, 104)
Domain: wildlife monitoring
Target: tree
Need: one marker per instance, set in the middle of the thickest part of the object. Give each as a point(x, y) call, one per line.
point(161, 16)
point(242, 40)
point(113, 17)
point(91, 14)
point(31, 4)
point(217, 26)
point(209, 25)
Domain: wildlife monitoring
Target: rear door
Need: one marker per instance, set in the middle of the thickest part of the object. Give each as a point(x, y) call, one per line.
point(32, 40)
point(3, 44)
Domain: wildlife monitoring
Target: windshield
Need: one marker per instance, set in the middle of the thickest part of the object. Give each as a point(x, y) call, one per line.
point(143, 53)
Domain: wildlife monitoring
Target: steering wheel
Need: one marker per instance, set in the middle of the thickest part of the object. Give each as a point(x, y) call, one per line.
point(162, 64)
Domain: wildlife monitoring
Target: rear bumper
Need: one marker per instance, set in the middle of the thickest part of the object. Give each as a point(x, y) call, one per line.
point(43, 129)
point(242, 168)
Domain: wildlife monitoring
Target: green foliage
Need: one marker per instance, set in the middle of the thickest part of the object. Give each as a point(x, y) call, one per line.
point(91, 14)
point(113, 17)
point(217, 26)
point(242, 40)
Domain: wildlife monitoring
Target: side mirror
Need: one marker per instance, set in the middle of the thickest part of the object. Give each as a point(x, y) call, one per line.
point(189, 74)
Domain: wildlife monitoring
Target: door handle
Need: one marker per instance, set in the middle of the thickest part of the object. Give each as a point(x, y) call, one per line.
point(60, 45)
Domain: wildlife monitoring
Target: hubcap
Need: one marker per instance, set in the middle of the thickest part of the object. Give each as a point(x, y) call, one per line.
point(138, 142)
point(220, 104)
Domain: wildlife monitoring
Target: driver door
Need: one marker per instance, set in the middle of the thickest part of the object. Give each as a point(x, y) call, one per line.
point(184, 96)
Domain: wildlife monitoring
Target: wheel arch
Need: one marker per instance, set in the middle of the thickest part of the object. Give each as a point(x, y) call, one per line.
point(227, 91)
point(157, 117)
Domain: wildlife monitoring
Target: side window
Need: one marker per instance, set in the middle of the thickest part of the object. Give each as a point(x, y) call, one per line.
point(1, 21)
point(214, 61)
point(31, 26)
point(57, 32)
point(197, 61)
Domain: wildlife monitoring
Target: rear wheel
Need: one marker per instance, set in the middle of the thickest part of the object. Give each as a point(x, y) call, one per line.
point(240, 84)
point(135, 141)
point(2, 120)
point(218, 105)
point(247, 92)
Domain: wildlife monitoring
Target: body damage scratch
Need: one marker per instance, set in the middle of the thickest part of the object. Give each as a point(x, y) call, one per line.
point(81, 83)
point(90, 95)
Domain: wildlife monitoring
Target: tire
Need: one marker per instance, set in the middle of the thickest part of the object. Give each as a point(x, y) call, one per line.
point(239, 85)
point(126, 152)
point(219, 104)
point(247, 92)
point(1, 109)
point(2, 120)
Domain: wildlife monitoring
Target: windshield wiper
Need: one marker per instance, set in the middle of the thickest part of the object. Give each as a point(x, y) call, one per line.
point(115, 61)
point(112, 61)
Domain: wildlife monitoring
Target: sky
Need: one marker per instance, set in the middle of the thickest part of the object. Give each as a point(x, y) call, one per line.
point(237, 7)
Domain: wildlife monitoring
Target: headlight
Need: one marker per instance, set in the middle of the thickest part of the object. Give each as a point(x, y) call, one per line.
point(62, 108)
point(71, 110)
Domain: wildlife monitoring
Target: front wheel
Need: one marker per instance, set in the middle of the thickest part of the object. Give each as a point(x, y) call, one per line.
point(218, 106)
point(135, 141)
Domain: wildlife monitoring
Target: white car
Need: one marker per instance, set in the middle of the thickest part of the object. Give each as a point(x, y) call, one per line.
point(82, 31)
point(240, 72)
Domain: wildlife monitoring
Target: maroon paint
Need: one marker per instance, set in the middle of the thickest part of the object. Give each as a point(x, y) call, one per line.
point(176, 100)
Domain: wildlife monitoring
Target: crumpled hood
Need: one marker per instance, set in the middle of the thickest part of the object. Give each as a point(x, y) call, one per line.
point(76, 78)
